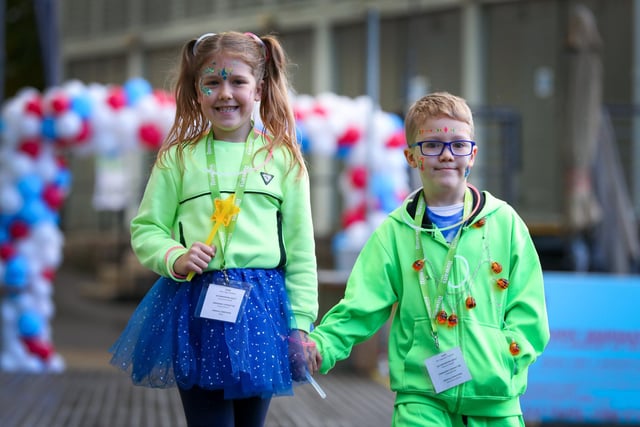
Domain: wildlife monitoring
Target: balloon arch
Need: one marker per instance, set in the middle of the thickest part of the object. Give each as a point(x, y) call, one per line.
point(39, 130)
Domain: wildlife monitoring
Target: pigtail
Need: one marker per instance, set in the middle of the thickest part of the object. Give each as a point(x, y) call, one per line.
point(189, 125)
point(275, 107)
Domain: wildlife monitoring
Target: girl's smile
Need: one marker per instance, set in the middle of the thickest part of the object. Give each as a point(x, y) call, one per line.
point(227, 91)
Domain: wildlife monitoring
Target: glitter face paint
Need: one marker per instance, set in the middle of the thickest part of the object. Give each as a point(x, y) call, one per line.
point(224, 73)
point(436, 130)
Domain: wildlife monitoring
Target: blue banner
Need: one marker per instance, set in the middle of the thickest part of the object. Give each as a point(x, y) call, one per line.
point(590, 371)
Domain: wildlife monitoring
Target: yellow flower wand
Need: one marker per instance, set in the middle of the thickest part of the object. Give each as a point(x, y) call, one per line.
point(224, 211)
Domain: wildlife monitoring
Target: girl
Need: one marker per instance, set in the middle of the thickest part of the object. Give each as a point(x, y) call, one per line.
point(225, 220)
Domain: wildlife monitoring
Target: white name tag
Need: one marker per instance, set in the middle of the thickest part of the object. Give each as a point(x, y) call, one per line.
point(447, 369)
point(223, 302)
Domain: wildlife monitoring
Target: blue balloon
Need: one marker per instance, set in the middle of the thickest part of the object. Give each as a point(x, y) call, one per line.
point(81, 105)
point(397, 120)
point(63, 179)
point(30, 186)
point(16, 272)
point(30, 324)
point(339, 241)
point(4, 235)
point(382, 188)
point(34, 211)
point(303, 139)
point(343, 151)
point(135, 89)
point(49, 127)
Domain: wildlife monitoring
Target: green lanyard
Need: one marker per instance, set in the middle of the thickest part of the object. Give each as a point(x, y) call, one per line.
point(441, 289)
point(241, 183)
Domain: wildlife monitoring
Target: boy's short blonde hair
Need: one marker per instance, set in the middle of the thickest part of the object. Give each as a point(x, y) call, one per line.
point(437, 104)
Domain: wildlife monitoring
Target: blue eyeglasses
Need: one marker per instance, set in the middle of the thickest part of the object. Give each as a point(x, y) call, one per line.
point(460, 147)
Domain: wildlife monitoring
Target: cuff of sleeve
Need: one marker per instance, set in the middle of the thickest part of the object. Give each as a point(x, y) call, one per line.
point(170, 258)
point(302, 322)
point(527, 353)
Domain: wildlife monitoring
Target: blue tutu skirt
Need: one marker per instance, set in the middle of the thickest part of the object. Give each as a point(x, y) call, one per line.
point(166, 344)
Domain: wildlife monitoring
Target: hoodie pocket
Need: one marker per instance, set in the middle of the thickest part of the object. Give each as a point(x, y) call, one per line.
point(422, 347)
point(486, 352)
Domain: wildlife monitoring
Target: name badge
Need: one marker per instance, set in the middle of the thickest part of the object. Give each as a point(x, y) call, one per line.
point(447, 369)
point(224, 302)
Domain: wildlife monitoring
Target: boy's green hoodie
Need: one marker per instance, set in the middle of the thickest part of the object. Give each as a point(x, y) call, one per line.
point(383, 279)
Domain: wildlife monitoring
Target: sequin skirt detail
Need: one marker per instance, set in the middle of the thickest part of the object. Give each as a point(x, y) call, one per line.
point(165, 344)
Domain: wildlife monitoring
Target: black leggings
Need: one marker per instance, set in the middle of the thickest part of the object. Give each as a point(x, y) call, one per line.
point(208, 408)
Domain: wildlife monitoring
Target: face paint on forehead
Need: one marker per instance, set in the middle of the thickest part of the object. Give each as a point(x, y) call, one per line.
point(213, 69)
point(224, 72)
point(432, 131)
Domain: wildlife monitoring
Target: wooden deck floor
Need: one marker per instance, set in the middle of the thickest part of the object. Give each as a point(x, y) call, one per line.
point(96, 398)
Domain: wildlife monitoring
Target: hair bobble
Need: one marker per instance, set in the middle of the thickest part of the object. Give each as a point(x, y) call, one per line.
point(262, 44)
point(199, 39)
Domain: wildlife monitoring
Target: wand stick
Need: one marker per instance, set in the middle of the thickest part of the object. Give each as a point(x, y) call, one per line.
point(224, 211)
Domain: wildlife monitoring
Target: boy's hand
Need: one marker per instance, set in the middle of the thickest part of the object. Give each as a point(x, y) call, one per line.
point(196, 259)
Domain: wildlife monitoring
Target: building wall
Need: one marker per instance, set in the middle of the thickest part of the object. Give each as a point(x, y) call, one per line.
point(523, 58)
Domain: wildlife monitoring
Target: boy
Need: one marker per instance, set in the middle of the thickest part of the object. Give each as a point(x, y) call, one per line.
point(463, 271)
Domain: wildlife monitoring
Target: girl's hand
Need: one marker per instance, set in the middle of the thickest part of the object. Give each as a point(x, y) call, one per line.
point(311, 354)
point(196, 259)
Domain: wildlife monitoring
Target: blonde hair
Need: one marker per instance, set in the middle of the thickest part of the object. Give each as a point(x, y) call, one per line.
point(269, 63)
point(438, 104)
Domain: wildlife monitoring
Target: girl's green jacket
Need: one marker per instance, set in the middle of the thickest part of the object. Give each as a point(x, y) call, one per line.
point(273, 230)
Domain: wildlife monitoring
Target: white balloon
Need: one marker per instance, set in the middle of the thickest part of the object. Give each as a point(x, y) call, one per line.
point(147, 109)
point(46, 165)
point(56, 364)
point(106, 143)
point(20, 164)
point(45, 308)
point(357, 234)
point(102, 119)
point(68, 125)
point(126, 131)
point(41, 288)
point(10, 200)
point(74, 88)
point(30, 126)
point(46, 233)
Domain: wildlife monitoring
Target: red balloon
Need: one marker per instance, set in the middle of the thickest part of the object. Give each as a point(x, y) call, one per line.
point(18, 229)
point(358, 177)
point(357, 214)
point(150, 136)
point(40, 348)
point(34, 105)
point(7, 251)
point(49, 274)
point(53, 196)
point(60, 103)
point(30, 147)
point(163, 97)
point(61, 161)
point(397, 140)
point(117, 98)
point(85, 132)
point(320, 110)
point(350, 136)
point(299, 114)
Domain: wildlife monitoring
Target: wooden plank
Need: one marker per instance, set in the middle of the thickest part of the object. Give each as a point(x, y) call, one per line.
point(94, 398)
